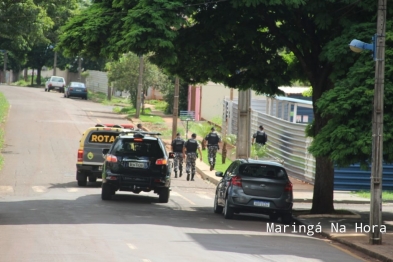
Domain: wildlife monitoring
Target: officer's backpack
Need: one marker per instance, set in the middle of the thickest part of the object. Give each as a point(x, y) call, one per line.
point(261, 137)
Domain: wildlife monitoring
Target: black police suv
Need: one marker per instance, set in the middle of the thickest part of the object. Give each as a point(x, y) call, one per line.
point(137, 161)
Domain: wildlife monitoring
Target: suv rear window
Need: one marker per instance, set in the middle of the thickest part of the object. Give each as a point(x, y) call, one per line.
point(263, 171)
point(129, 147)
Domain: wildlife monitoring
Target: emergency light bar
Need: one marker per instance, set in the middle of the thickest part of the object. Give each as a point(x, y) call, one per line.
point(127, 126)
point(125, 132)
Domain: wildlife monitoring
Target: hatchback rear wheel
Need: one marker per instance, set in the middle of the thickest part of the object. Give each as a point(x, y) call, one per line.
point(274, 217)
point(286, 218)
point(217, 209)
point(228, 211)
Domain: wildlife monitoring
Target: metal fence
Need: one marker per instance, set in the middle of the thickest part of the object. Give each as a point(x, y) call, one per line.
point(286, 140)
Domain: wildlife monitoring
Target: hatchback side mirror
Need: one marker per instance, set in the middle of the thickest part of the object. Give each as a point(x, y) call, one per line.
point(219, 173)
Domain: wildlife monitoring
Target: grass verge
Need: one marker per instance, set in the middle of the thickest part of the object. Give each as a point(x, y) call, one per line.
point(386, 195)
point(219, 165)
point(102, 98)
point(158, 104)
point(3, 113)
point(144, 117)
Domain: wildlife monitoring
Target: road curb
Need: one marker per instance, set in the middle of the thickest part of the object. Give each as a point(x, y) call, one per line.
point(348, 243)
point(206, 177)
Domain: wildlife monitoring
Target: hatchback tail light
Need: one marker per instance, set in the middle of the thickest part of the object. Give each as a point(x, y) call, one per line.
point(80, 155)
point(236, 181)
point(161, 162)
point(288, 187)
point(85, 90)
point(71, 89)
point(111, 158)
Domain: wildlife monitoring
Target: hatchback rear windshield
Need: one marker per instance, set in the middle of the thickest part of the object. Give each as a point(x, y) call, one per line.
point(77, 85)
point(57, 79)
point(263, 171)
point(129, 147)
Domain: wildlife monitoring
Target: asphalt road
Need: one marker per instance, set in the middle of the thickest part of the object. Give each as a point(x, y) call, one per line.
point(45, 216)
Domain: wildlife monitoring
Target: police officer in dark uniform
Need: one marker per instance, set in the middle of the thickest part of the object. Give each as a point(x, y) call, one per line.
point(139, 127)
point(212, 139)
point(190, 148)
point(260, 138)
point(177, 149)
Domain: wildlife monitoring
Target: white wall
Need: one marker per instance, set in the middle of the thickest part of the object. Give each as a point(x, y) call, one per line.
point(213, 98)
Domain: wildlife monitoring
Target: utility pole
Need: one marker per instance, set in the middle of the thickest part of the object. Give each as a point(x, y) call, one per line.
point(139, 92)
point(175, 108)
point(375, 236)
point(244, 122)
point(54, 63)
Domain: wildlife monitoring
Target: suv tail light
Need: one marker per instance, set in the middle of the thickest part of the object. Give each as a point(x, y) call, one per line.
point(161, 161)
point(111, 158)
point(236, 181)
point(288, 187)
point(80, 155)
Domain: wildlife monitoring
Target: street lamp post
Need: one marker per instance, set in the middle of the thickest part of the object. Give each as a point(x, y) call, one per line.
point(378, 48)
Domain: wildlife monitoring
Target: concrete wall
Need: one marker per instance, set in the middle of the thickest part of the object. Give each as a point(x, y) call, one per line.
point(97, 81)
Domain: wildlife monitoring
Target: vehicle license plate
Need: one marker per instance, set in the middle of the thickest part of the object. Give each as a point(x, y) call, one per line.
point(100, 168)
point(136, 179)
point(261, 204)
point(78, 90)
point(136, 165)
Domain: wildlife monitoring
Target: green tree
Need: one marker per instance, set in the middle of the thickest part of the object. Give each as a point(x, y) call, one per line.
point(348, 140)
point(124, 75)
point(237, 43)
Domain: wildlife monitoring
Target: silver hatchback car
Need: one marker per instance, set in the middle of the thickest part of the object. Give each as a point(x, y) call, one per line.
point(255, 186)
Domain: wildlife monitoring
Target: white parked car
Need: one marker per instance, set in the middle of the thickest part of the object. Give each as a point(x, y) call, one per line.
point(55, 83)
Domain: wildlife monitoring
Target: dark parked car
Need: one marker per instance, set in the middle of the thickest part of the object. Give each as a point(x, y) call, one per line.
point(255, 186)
point(137, 161)
point(76, 89)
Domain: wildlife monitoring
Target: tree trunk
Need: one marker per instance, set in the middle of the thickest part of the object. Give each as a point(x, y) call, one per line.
point(322, 202)
point(32, 76)
point(324, 169)
point(224, 152)
point(38, 79)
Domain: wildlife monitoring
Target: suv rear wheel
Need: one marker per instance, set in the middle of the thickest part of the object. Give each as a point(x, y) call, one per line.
point(106, 192)
point(82, 179)
point(92, 179)
point(164, 195)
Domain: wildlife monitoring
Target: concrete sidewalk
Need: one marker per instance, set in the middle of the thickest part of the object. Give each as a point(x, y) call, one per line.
point(349, 229)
